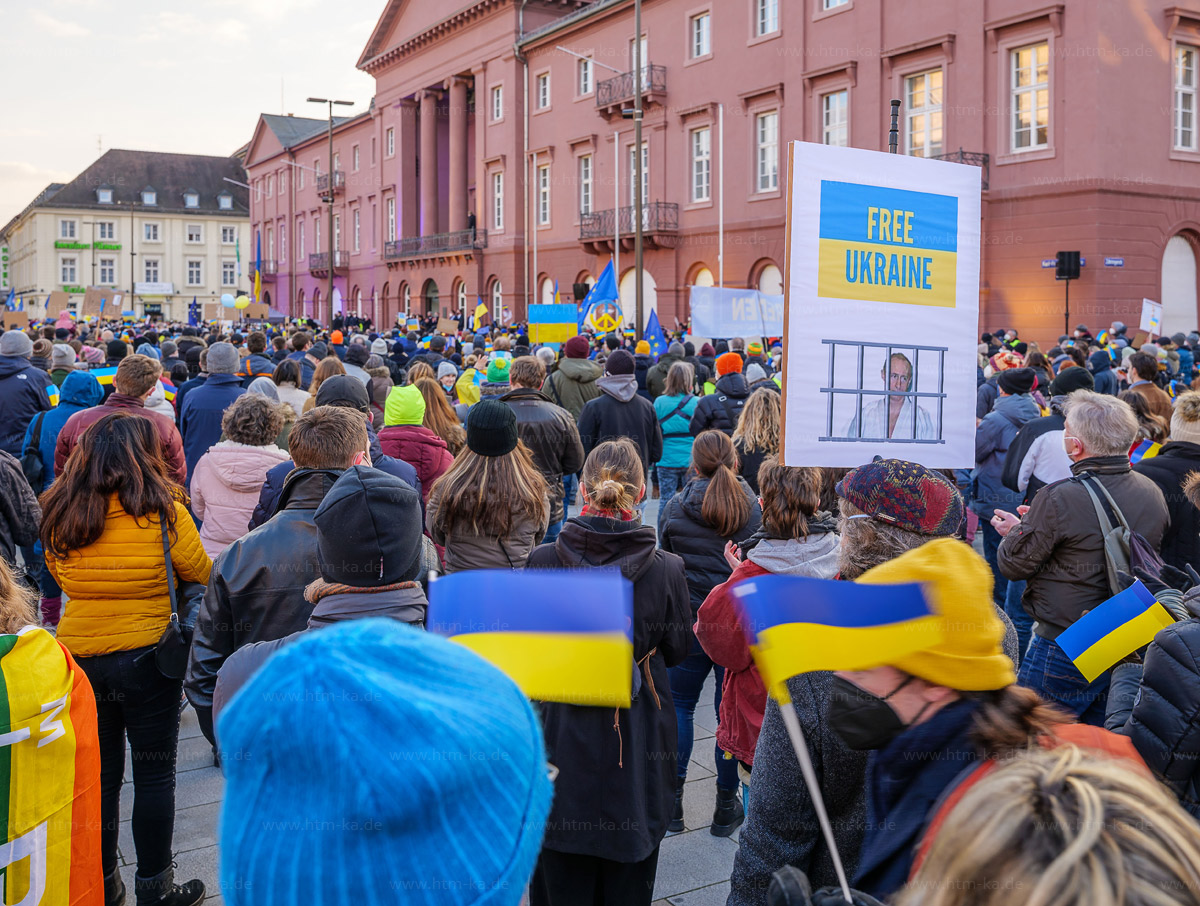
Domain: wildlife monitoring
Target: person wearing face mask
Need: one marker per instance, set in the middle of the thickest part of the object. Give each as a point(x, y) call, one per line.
point(1057, 544)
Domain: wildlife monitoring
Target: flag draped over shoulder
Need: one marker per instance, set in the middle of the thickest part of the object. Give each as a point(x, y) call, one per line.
point(49, 775)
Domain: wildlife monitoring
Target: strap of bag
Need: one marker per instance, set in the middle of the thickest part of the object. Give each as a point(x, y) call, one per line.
point(554, 390)
point(36, 447)
point(1105, 516)
point(170, 570)
point(731, 410)
point(1102, 513)
point(674, 412)
point(1089, 481)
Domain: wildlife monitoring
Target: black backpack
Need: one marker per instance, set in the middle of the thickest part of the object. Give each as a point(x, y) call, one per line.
point(31, 459)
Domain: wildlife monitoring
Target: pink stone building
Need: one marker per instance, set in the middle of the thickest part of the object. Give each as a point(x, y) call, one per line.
point(1080, 113)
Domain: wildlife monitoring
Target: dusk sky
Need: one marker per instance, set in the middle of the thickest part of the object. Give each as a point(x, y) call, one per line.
point(163, 77)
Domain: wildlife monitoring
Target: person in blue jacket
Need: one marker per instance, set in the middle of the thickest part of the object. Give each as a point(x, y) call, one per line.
point(201, 413)
point(674, 410)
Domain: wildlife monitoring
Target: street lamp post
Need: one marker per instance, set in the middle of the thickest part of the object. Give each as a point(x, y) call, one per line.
point(331, 184)
point(638, 201)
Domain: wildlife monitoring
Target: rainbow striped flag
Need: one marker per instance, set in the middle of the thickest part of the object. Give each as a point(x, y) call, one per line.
point(49, 775)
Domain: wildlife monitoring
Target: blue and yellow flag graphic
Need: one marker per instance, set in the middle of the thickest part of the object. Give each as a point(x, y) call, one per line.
point(552, 323)
point(560, 635)
point(801, 624)
point(1118, 627)
point(1143, 449)
point(887, 245)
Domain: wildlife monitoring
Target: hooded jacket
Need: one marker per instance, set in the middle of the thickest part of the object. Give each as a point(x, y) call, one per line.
point(22, 396)
point(168, 434)
point(573, 384)
point(993, 437)
point(722, 409)
point(256, 591)
point(255, 365)
point(292, 395)
point(1100, 364)
point(656, 377)
point(683, 530)
point(200, 417)
point(616, 783)
point(78, 392)
point(620, 412)
point(225, 488)
point(551, 436)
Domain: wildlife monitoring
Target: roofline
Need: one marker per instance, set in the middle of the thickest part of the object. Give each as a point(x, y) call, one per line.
point(569, 20)
point(322, 135)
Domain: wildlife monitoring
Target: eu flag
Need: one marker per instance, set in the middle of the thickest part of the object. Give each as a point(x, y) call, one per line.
point(655, 336)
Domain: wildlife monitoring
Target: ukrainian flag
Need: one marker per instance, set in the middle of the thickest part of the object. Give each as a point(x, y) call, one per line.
point(1118, 627)
point(561, 636)
point(800, 624)
point(52, 393)
point(1144, 449)
point(104, 375)
point(168, 389)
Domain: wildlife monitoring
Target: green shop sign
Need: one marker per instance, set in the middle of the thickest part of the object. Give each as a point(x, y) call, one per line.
point(107, 246)
point(61, 244)
point(74, 289)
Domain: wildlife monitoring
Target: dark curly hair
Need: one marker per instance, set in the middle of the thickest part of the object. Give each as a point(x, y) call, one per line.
point(253, 420)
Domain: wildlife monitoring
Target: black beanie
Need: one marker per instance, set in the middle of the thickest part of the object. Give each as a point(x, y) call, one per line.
point(369, 530)
point(1071, 379)
point(117, 349)
point(491, 428)
point(1018, 380)
point(620, 362)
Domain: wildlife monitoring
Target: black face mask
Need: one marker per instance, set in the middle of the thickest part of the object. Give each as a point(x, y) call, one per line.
point(862, 719)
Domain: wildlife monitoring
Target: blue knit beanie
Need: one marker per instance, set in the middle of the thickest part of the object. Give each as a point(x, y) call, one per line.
point(370, 755)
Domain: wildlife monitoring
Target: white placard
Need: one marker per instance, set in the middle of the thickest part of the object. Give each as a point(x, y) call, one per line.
point(882, 308)
point(1151, 317)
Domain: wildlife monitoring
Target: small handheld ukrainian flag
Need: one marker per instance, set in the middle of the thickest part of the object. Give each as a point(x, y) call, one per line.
point(1143, 449)
point(800, 624)
point(1118, 627)
point(561, 636)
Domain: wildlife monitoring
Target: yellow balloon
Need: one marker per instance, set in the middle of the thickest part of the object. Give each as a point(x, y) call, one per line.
point(241, 302)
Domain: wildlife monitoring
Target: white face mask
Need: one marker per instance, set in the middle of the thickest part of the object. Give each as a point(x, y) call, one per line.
point(1066, 446)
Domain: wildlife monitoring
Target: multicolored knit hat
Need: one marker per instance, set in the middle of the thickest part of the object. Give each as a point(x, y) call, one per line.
point(906, 495)
point(754, 348)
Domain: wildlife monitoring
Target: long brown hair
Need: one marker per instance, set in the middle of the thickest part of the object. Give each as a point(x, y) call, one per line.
point(120, 454)
point(440, 417)
point(326, 368)
point(725, 506)
point(483, 494)
point(418, 370)
point(1150, 425)
point(790, 496)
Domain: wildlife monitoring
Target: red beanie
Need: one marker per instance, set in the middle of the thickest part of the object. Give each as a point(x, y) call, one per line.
point(576, 348)
point(729, 363)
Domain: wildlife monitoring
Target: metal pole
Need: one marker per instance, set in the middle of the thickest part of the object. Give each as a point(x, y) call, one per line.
point(638, 201)
point(894, 134)
point(617, 210)
point(132, 262)
point(721, 195)
point(1067, 313)
point(537, 201)
point(331, 211)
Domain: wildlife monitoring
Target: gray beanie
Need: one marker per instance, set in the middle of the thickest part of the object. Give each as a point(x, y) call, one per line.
point(754, 373)
point(675, 349)
point(379, 347)
point(222, 359)
point(446, 369)
point(16, 342)
point(62, 356)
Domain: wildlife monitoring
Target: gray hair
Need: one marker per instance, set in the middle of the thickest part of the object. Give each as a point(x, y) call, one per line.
point(1103, 424)
point(545, 355)
point(866, 543)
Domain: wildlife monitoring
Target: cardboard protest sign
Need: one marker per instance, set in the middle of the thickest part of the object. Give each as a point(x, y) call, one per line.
point(58, 302)
point(447, 325)
point(15, 318)
point(100, 301)
point(212, 311)
point(1151, 317)
point(882, 304)
point(258, 311)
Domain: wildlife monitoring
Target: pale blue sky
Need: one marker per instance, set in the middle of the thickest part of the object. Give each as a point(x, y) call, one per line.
point(163, 77)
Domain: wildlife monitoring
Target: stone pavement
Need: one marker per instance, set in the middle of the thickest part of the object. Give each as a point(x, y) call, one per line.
point(693, 866)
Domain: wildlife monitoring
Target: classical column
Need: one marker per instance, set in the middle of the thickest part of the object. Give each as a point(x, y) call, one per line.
point(429, 163)
point(458, 153)
point(409, 202)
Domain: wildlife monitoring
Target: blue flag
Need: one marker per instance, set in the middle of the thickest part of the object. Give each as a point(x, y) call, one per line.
point(603, 290)
point(194, 313)
point(10, 303)
point(654, 335)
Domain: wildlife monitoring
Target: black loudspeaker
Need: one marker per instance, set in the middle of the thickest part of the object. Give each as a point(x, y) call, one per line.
point(580, 290)
point(1067, 266)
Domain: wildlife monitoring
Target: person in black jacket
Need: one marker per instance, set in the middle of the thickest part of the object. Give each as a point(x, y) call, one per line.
point(620, 412)
point(642, 363)
point(722, 408)
point(616, 769)
point(698, 523)
point(547, 430)
point(23, 391)
point(256, 589)
point(1179, 458)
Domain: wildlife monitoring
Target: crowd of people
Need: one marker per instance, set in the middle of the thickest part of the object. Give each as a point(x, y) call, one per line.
point(248, 521)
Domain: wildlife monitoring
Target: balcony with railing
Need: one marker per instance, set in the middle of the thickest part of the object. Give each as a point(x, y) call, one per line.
point(439, 245)
point(270, 268)
point(339, 183)
point(319, 264)
point(612, 94)
point(976, 158)
point(660, 227)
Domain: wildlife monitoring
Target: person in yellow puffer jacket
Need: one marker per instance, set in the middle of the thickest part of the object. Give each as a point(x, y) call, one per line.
point(102, 530)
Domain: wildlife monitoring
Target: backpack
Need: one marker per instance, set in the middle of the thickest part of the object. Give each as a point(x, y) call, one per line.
point(31, 459)
point(1124, 549)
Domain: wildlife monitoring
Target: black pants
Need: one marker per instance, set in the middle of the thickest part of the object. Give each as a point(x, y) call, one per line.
point(566, 879)
point(133, 699)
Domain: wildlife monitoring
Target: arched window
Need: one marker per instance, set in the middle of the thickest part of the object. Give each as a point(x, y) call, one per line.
point(1179, 285)
point(300, 303)
point(429, 296)
point(770, 280)
point(547, 293)
point(497, 302)
point(406, 298)
point(628, 290)
point(461, 295)
point(703, 277)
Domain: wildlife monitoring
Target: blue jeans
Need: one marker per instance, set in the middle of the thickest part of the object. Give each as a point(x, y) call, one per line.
point(570, 484)
point(1048, 671)
point(991, 545)
point(1022, 621)
point(553, 530)
point(687, 679)
point(670, 482)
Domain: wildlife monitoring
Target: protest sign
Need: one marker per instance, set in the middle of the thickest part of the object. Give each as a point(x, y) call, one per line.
point(881, 310)
point(212, 311)
point(15, 318)
point(447, 325)
point(58, 302)
point(1151, 317)
point(257, 311)
point(98, 301)
point(718, 312)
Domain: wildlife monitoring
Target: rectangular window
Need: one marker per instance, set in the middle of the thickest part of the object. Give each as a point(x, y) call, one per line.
point(497, 102)
point(337, 233)
point(149, 197)
point(150, 269)
point(194, 273)
point(701, 35)
point(766, 128)
point(67, 266)
point(337, 161)
point(923, 112)
point(66, 229)
point(191, 200)
point(1185, 98)
point(1031, 97)
point(543, 190)
point(195, 233)
point(104, 196)
point(225, 202)
point(283, 246)
point(391, 220)
point(834, 4)
point(497, 201)
point(299, 177)
point(270, 244)
point(105, 229)
point(834, 118)
point(702, 164)
point(228, 273)
point(357, 230)
point(585, 184)
point(316, 234)
point(270, 186)
point(389, 141)
point(108, 271)
point(372, 150)
point(299, 240)
point(543, 91)
point(228, 235)
point(354, 159)
point(150, 232)
point(585, 76)
point(766, 17)
point(374, 227)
